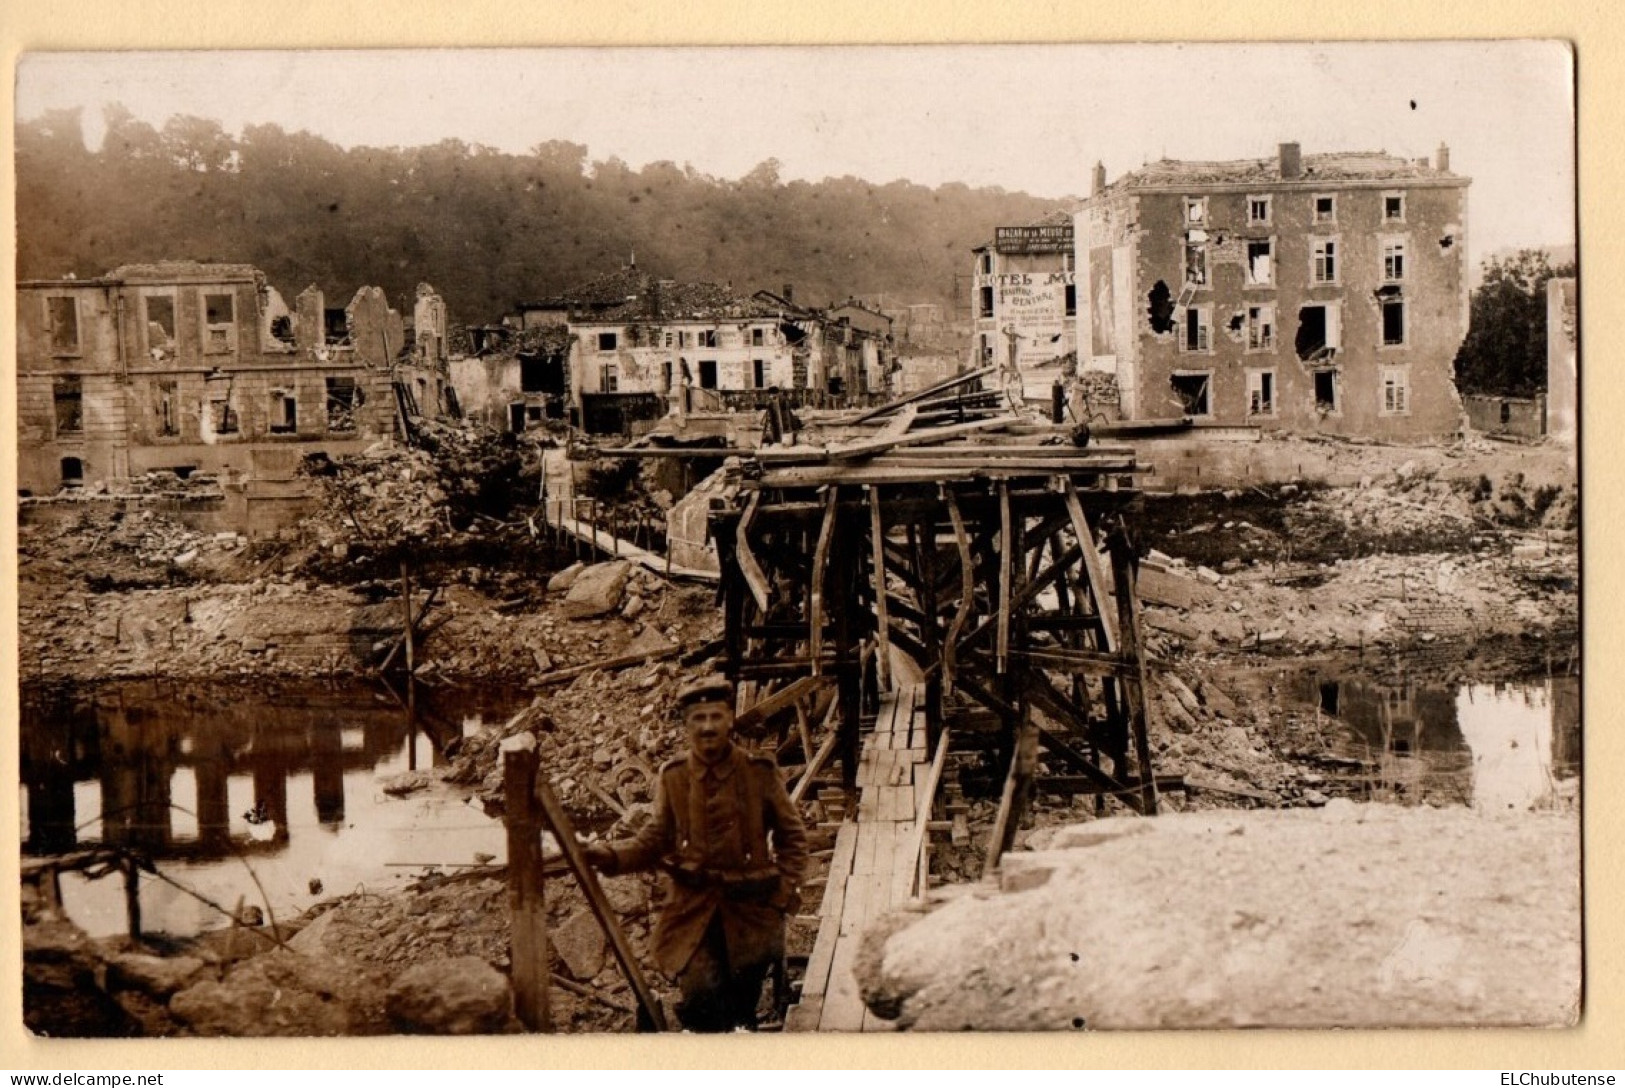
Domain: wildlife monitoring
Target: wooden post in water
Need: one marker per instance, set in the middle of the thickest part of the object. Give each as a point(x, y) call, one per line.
point(527, 908)
point(406, 613)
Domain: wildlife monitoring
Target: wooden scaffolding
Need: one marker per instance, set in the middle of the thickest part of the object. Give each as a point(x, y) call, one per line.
point(970, 556)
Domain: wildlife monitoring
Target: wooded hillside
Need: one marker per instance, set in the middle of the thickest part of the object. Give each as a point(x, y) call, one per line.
point(486, 228)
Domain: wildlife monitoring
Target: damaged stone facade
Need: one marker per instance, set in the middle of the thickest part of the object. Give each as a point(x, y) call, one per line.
point(199, 368)
point(1024, 301)
point(1314, 294)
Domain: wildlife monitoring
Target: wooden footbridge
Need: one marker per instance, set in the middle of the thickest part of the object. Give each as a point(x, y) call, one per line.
point(989, 559)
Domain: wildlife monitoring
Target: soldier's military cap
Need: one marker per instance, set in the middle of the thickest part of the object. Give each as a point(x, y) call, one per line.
point(707, 689)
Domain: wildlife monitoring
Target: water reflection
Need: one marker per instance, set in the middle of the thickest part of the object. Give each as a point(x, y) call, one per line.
point(208, 779)
point(1493, 746)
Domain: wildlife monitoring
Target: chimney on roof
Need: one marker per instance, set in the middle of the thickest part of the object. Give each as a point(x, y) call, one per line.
point(1443, 162)
point(1291, 161)
point(789, 292)
point(1098, 184)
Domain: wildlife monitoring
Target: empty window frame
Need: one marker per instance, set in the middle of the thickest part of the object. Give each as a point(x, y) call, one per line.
point(987, 264)
point(532, 375)
point(987, 349)
point(67, 396)
point(1325, 206)
point(1323, 254)
point(607, 341)
point(222, 416)
point(669, 338)
point(609, 379)
point(1260, 392)
point(1193, 389)
point(1328, 392)
point(284, 417)
point(985, 309)
point(1393, 321)
point(158, 324)
point(758, 338)
point(1196, 263)
point(1396, 390)
point(344, 400)
point(1258, 210)
point(1260, 267)
point(1196, 211)
point(1393, 207)
point(708, 373)
point(1393, 260)
point(219, 323)
point(708, 338)
point(166, 409)
point(62, 322)
point(1320, 331)
point(1261, 327)
point(758, 373)
point(73, 472)
point(1196, 334)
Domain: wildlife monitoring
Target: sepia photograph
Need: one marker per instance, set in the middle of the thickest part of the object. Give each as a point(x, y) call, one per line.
point(798, 539)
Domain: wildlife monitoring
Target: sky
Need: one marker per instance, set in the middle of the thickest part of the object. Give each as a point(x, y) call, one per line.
point(1025, 118)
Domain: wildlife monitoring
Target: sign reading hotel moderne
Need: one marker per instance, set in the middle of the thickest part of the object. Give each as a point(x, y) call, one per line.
point(1056, 238)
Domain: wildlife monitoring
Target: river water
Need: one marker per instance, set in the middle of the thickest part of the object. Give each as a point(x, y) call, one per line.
point(273, 797)
point(268, 796)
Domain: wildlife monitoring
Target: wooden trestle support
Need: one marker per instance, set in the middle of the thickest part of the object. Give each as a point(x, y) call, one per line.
point(978, 564)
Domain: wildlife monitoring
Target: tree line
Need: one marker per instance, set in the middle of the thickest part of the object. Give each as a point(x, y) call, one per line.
point(487, 228)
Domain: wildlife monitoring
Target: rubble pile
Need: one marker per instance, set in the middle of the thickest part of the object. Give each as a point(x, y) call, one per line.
point(105, 550)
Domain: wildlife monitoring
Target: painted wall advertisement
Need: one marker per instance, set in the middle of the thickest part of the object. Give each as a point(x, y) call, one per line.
point(1032, 308)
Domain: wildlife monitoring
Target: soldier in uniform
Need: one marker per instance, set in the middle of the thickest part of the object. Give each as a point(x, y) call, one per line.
point(729, 887)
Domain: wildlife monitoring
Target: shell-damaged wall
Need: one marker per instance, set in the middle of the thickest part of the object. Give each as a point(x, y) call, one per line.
point(1135, 307)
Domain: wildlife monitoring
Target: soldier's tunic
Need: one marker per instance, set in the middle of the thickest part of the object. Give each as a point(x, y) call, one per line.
point(711, 826)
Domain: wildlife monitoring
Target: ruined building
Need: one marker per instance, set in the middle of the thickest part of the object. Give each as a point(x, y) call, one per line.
point(636, 346)
point(204, 368)
point(1025, 301)
point(1309, 293)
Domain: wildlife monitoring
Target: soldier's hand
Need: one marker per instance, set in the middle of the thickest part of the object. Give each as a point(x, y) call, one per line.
point(787, 901)
point(600, 856)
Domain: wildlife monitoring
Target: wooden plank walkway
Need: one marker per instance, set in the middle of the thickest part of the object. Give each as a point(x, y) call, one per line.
point(616, 548)
point(873, 867)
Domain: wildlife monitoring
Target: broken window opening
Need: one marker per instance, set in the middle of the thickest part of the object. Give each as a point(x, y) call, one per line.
point(1196, 210)
point(516, 417)
point(67, 393)
point(1325, 208)
point(1237, 323)
point(282, 330)
point(1162, 308)
point(1506, 412)
point(758, 338)
point(707, 338)
point(759, 373)
point(168, 398)
point(1393, 261)
point(1447, 241)
point(1198, 329)
point(344, 399)
point(1325, 254)
point(1393, 321)
point(1258, 209)
point(1328, 697)
point(986, 309)
point(1396, 390)
point(62, 318)
point(219, 323)
point(160, 324)
point(1195, 263)
point(223, 416)
point(1326, 390)
point(607, 341)
point(73, 472)
point(1393, 207)
point(1261, 328)
point(1319, 332)
point(1192, 391)
point(609, 379)
point(1071, 300)
point(533, 414)
point(1261, 263)
point(708, 373)
point(531, 374)
point(284, 413)
point(1261, 392)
